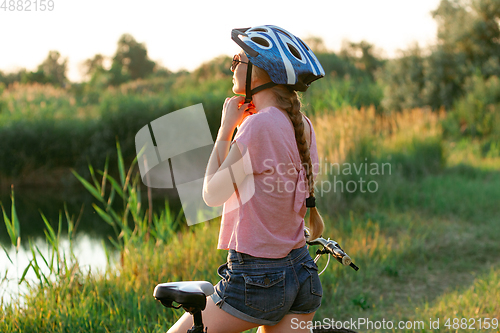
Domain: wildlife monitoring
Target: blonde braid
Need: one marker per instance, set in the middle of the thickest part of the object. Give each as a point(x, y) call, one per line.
point(288, 100)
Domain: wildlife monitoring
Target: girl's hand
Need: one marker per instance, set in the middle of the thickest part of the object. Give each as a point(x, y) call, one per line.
point(234, 112)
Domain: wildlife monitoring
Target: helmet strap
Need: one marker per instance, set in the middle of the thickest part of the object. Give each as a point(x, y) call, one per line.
point(248, 90)
point(270, 84)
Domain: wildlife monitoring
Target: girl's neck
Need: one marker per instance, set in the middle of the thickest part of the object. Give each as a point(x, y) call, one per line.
point(264, 99)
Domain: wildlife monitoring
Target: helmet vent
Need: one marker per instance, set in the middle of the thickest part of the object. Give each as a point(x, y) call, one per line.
point(260, 41)
point(294, 51)
point(284, 32)
point(257, 30)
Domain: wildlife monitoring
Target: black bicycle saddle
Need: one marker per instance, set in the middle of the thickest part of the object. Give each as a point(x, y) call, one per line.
point(188, 294)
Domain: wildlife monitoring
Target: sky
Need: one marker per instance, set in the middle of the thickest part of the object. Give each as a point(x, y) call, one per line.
point(183, 34)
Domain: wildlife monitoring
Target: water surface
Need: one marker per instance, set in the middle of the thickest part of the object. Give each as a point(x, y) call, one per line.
point(91, 234)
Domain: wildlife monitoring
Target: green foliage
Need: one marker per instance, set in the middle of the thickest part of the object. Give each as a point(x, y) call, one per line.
point(117, 74)
point(41, 147)
point(409, 238)
point(215, 69)
point(468, 42)
point(358, 61)
point(418, 158)
point(52, 70)
point(97, 302)
point(407, 231)
point(445, 75)
point(331, 94)
point(349, 79)
point(404, 81)
point(128, 188)
point(470, 28)
point(12, 225)
point(477, 114)
point(8, 79)
point(337, 66)
point(370, 170)
point(130, 61)
point(363, 56)
point(46, 127)
point(93, 66)
point(414, 80)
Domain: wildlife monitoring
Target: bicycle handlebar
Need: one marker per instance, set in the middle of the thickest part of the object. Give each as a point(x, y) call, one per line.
point(333, 248)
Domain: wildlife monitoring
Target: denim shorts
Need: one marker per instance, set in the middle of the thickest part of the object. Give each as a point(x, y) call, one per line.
point(263, 290)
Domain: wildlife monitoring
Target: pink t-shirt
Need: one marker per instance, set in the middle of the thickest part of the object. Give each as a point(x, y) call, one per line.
point(271, 222)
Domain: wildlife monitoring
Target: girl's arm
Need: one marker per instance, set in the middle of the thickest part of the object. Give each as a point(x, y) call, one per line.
point(225, 171)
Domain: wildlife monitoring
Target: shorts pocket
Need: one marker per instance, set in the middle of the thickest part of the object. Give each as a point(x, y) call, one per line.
point(223, 284)
point(265, 292)
point(312, 268)
point(222, 271)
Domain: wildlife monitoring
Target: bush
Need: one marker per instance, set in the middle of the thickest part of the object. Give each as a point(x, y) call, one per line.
point(330, 94)
point(477, 114)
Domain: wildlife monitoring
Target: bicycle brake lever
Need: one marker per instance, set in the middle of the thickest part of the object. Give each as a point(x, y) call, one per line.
point(332, 247)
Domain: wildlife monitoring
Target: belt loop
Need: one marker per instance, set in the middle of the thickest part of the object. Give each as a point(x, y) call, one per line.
point(290, 258)
point(240, 258)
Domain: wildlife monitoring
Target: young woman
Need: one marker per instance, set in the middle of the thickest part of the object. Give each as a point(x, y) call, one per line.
point(265, 180)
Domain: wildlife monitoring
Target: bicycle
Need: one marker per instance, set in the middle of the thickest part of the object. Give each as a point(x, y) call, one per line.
point(191, 295)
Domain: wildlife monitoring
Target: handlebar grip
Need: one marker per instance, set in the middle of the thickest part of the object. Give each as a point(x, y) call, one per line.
point(346, 261)
point(331, 247)
point(340, 255)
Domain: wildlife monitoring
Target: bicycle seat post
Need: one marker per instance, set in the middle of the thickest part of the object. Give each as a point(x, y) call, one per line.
point(198, 323)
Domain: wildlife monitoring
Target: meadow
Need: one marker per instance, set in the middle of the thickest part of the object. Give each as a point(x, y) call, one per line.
point(426, 240)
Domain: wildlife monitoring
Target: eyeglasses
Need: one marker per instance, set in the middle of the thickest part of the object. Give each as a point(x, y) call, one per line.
point(235, 63)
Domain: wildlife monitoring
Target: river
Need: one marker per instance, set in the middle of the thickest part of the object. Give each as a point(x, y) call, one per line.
point(91, 234)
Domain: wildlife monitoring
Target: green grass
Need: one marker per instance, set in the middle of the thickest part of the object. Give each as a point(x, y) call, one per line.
point(44, 128)
point(426, 249)
point(426, 242)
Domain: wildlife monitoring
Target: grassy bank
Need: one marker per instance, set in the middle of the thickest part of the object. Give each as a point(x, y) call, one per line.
point(45, 130)
point(425, 241)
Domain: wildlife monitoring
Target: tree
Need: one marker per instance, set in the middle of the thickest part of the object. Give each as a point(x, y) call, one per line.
point(93, 70)
point(12, 77)
point(404, 80)
point(93, 65)
point(468, 44)
point(363, 55)
point(470, 27)
point(52, 71)
point(445, 75)
point(54, 68)
point(217, 68)
point(130, 61)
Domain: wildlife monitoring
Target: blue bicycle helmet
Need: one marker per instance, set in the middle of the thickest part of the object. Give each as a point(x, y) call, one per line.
point(285, 57)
